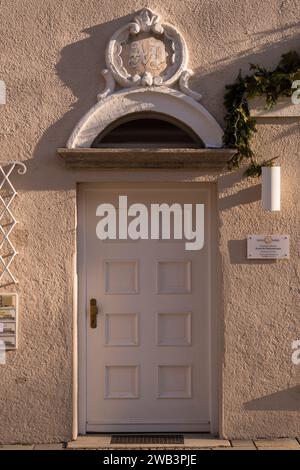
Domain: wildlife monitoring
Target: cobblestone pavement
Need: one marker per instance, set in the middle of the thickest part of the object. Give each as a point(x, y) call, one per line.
point(191, 442)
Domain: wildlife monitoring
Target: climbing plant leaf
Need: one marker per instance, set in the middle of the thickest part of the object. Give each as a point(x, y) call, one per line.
point(240, 125)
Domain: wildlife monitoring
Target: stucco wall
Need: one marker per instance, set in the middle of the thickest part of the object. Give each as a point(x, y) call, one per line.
point(51, 56)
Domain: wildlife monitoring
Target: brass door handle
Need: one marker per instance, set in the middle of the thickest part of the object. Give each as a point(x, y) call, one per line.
point(93, 313)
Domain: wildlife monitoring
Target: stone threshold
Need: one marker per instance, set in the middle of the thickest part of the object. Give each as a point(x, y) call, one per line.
point(191, 442)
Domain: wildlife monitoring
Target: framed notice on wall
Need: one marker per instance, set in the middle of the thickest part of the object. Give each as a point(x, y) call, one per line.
point(268, 247)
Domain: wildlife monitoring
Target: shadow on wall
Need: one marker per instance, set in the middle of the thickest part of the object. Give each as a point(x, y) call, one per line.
point(288, 37)
point(79, 68)
point(238, 254)
point(225, 70)
point(244, 196)
point(284, 400)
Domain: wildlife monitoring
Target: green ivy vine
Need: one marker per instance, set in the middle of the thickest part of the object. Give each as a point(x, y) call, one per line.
point(240, 126)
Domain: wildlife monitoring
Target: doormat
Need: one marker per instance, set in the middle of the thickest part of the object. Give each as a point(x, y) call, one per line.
point(147, 439)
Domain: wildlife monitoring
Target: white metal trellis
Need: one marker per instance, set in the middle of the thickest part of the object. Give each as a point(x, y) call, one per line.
point(7, 219)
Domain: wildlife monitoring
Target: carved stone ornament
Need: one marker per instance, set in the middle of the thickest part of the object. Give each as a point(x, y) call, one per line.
point(146, 52)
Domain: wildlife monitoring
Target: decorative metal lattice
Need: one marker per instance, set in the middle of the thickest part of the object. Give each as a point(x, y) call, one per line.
point(7, 219)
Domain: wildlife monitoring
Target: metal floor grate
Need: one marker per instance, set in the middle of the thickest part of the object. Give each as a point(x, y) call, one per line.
point(147, 439)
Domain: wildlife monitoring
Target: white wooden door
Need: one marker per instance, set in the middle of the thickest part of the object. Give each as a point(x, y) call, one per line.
point(147, 362)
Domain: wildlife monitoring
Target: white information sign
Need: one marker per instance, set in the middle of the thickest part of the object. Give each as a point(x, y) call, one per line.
point(268, 247)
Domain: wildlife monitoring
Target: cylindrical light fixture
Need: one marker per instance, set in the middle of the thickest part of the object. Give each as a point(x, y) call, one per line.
point(270, 190)
point(2, 92)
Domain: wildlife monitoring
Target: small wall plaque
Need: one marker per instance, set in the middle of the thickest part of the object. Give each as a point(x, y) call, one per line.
point(268, 247)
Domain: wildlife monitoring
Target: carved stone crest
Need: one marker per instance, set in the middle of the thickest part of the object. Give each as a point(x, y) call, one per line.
point(146, 52)
point(145, 55)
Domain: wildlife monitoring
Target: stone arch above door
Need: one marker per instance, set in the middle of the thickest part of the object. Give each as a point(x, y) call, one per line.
point(161, 99)
point(147, 72)
point(144, 59)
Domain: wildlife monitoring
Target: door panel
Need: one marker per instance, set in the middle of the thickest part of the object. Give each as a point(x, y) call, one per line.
point(148, 359)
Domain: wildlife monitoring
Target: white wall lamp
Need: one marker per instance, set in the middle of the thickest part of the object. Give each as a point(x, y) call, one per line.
point(270, 189)
point(2, 92)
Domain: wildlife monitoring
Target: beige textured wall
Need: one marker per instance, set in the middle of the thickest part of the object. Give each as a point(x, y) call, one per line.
point(51, 55)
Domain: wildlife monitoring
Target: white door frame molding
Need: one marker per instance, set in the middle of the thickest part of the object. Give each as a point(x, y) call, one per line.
point(128, 92)
point(80, 357)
